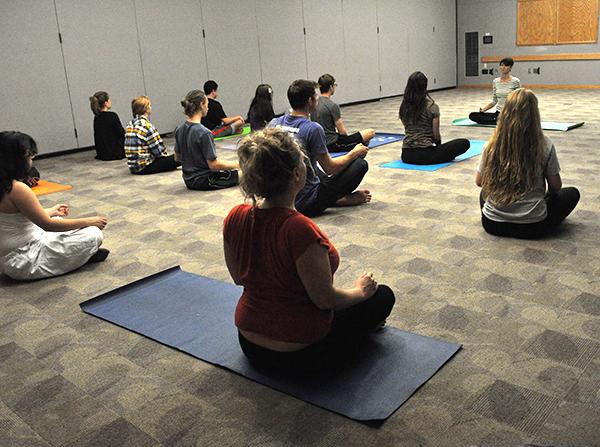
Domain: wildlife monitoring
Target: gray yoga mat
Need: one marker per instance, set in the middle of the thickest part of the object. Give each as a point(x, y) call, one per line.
point(194, 314)
point(546, 125)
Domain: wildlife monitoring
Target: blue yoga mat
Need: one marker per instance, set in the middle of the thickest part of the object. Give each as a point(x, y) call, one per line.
point(379, 139)
point(475, 149)
point(546, 125)
point(194, 314)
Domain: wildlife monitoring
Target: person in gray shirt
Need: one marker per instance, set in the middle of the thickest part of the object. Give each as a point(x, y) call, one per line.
point(517, 163)
point(329, 116)
point(501, 87)
point(195, 148)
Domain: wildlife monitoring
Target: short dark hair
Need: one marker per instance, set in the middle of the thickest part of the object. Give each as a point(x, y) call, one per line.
point(209, 86)
point(14, 149)
point(326, 81)
point(507, 61)
point(300, 92)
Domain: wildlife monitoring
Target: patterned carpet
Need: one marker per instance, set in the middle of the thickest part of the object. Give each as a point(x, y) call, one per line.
point(527, 312)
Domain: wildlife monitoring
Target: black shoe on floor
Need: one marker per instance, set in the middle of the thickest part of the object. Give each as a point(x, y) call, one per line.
point(99, 256)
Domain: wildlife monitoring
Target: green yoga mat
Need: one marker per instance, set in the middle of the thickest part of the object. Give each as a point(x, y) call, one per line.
point(546, 125)
point(246, 131)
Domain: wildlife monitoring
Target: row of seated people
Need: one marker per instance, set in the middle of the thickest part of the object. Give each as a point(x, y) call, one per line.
point(522, 193)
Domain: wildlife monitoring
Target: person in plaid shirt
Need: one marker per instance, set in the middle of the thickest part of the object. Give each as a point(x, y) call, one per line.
point(144, 148)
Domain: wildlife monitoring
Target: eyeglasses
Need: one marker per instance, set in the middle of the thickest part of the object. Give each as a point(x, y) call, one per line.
point(335, 84)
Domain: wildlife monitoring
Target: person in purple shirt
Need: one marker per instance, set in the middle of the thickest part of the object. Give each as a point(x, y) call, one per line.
point(337, 185)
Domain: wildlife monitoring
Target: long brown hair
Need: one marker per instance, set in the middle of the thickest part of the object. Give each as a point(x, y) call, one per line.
point(414, 101)
point(514, 156)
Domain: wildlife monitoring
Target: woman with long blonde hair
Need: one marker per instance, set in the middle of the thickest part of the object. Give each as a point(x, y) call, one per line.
point(517, 163)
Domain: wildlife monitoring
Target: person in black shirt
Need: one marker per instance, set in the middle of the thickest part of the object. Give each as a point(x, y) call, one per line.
point(109, 135)
point(216, 120)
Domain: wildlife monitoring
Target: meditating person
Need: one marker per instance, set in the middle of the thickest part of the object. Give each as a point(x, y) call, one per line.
point(501, 87)
point(144, 148)
point(420, 116)
point(329, 116)
point(261, 108)
point(216, 120)
point(522, 194)
point(337, 185)
point(291, 317)
point(109, 135)
point(195, 148)
point(35, 242)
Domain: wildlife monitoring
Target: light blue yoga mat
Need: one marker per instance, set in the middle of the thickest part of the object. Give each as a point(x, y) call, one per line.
point(379, 139)
point(194, 314)
point(546, 125)
point(475, 149)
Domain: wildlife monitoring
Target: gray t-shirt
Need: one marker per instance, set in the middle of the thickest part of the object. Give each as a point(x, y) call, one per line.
point(420, 133)
point(501, 90)
point(532, 207)
point(195, 145)
point(326, 114)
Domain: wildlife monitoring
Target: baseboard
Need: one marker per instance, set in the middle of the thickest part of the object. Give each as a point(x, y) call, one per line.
point(365, 101)
point(541, 86)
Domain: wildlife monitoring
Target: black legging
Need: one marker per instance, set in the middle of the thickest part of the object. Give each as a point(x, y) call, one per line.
point(160, 164)
point(332, 188)
point(558, 205)
point(221, 179)
point(433, 155)
point(484, 118)
point(348, 327)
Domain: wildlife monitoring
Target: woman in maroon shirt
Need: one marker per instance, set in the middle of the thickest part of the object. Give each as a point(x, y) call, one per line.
point(291, 316)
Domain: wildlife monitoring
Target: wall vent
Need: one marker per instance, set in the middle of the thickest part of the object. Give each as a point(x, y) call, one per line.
point(472, 54)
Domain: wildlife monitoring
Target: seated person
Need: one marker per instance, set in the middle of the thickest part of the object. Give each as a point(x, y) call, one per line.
point(215, 120)
point(420, 116)
point(329, 116)
point(337, 185)
point(516, 165)
point(109, 135)
point(144, 148)
point(195, 148)
point(35, 242)
point(261, 108)
point(291, 317)
point(501, 87)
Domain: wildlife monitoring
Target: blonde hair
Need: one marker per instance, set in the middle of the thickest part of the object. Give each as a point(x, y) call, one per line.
point(140, 105)
point(267, 158)
point(514, 157)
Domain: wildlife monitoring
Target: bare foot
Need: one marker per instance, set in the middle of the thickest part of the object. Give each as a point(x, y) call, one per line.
point(356, 198)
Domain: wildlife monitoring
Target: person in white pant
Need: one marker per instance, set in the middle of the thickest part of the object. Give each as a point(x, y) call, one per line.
point(35, 242)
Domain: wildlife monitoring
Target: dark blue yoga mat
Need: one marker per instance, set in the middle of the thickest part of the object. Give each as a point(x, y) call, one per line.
point(194, 314)
point(379, 139)
point(475, 149)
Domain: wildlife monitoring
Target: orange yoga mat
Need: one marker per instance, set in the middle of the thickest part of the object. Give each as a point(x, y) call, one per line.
point(45, 187)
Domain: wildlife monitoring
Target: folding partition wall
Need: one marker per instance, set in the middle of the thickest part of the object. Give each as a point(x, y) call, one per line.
point(59, 52)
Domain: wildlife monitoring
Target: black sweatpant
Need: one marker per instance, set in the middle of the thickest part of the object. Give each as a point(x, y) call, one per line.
point(216, 180)
point(484, 118)
point(332, 188)
point(433, 155)
point(349, 326)
point(160, 164)
point(559, 206)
